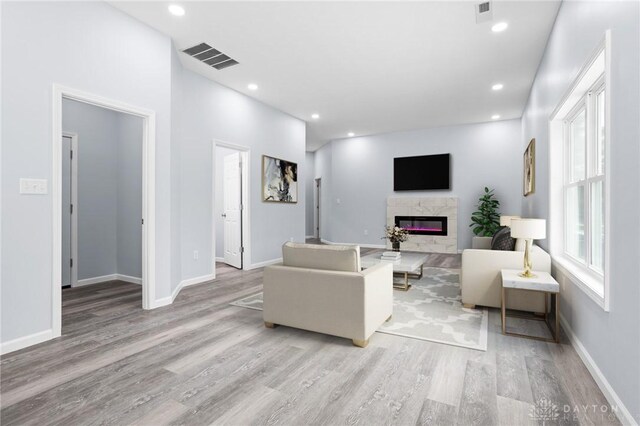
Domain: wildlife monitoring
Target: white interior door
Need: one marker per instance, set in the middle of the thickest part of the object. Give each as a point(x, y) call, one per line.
point(232, 210)
point(66, 211)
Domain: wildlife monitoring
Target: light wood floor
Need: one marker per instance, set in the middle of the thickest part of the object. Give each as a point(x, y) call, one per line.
point(202, 361)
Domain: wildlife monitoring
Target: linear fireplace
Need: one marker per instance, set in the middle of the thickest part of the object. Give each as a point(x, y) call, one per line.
point(423, 225)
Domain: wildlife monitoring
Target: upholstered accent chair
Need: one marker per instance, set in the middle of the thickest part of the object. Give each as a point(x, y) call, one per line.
point(321, 288)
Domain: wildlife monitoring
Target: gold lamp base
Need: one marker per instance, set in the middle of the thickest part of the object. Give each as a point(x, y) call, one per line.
point(527, 261)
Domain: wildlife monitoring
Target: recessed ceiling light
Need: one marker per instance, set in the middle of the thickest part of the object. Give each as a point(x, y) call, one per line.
point(350, 134)
point(497, 86)
point(499, 27)
point(176, 10)
point(252, 86)
point(315, 116)
point(495, 117)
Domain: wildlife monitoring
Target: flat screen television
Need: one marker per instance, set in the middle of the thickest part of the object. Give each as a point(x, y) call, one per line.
point(426, 172)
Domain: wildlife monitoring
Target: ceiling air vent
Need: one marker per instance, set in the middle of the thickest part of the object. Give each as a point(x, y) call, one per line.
point(210, 56)
point(484, 12)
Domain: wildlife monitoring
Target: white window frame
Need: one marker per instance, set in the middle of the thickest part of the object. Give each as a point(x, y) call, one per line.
point(593, 78)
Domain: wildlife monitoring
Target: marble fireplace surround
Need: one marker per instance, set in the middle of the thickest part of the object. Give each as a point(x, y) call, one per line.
point(426, 206)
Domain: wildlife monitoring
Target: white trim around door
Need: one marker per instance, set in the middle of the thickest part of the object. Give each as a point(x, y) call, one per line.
point(245, 155)
point(148, 194)
point(74, 204)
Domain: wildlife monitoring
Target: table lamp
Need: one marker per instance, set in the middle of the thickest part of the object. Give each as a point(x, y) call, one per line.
point(529, 230)
point(506, 220)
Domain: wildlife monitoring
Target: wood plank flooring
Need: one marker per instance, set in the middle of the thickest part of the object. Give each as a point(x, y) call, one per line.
point(202, 361)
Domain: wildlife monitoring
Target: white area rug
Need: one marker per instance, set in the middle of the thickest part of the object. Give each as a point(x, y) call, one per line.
point(431, 310)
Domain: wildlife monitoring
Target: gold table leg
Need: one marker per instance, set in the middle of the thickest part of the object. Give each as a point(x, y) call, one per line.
point(554, 333)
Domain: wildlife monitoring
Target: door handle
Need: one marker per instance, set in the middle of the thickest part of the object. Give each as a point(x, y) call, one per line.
point(224, 215)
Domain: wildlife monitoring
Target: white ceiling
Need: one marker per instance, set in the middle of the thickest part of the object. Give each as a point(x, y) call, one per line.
point(366, 67)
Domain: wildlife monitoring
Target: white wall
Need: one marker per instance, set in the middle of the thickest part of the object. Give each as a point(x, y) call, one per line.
point(612, 339)
point(109, 208)
point(310, 194)
point(93, 47)
point(88, 46)
point(361, 177)
point(210, 111)
point(218, 207)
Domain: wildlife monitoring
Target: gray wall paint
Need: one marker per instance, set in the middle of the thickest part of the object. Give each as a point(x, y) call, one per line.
point(487, 154)
point(129, 175)
point(210, 111)
point(109, 208)
point(176, 170)
point(97, 208)
point(218, 209)
point(309, 162)
point(612, 339)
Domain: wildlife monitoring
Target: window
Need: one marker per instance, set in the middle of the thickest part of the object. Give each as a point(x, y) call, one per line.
point(578, 198)
point(584, 172)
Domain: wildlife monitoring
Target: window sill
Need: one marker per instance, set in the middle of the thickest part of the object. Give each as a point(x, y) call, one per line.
point(592, 287)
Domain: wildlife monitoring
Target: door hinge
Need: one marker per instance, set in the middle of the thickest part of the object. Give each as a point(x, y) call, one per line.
point(71, 209)
point(71, 263)
point(241, 249)
point(71, 156)
point(241, 207)
point(143, 221)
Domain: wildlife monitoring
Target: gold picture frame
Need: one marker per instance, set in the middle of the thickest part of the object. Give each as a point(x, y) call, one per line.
point(529, 162)
point(279, 180)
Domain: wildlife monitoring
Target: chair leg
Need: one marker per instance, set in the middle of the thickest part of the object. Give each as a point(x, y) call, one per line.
point(270, 325)
point(360, 343)
point(389, 319)
point(469, 305)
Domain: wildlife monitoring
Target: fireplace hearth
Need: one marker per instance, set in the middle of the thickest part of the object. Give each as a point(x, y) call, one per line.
point(423, 225)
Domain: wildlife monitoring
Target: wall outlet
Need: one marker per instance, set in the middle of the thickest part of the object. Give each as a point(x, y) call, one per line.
point(366, 232)
point(195, 255)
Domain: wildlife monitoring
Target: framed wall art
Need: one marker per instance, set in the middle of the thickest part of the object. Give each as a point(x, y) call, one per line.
point(530, 168)
point(279, 180)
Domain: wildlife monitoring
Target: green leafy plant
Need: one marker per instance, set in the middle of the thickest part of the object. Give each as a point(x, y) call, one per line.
point(486, 220)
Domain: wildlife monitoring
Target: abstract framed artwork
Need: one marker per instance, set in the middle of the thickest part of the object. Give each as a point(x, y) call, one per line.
point(279, 180)
point(530, 168)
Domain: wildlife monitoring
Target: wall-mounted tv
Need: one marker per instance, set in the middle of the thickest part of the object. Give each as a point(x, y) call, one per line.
point(426, 172)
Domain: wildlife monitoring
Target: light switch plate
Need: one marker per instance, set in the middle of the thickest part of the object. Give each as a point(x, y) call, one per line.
point(33, 186)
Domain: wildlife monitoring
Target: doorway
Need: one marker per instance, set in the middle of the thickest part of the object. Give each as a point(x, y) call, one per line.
point(145, 220)
point(316, 210)
point(230, 209)
point(69, 216)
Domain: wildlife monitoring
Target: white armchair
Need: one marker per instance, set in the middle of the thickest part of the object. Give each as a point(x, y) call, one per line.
point(321, 288)
point(481, 280)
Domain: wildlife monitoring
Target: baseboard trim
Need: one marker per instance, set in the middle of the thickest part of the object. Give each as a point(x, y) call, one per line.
point(612, 397)
point(110, 277)
point(26, 341)
point(309, 236)
point(375, 246)
point(263, 264)
point(184, 283)
point(219, 259)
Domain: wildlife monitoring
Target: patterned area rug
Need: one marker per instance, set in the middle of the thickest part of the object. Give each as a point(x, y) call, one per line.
point(431, 310)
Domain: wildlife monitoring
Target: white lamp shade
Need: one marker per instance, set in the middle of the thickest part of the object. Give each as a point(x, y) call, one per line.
point(506, 220)
point(534, 229)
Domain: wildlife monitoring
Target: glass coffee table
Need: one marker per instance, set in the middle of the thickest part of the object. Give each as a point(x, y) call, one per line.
point(409, 265)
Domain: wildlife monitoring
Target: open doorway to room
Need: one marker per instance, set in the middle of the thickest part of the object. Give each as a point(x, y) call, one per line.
point(101, 188)
point(103, 194)
point(230, 209)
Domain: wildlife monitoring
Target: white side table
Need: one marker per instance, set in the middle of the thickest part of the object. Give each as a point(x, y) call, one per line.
point(543, 283)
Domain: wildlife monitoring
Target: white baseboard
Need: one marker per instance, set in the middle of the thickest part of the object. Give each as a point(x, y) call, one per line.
point(376, 246)
point(184, 283)
point(309, 236)
point(612, 397)
point(23, 342)
point(110, 277)
point(263, 264)
point(219, 259)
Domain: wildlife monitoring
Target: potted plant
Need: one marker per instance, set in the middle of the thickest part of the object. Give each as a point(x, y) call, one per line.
point(485, 221)
point(396, 235)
